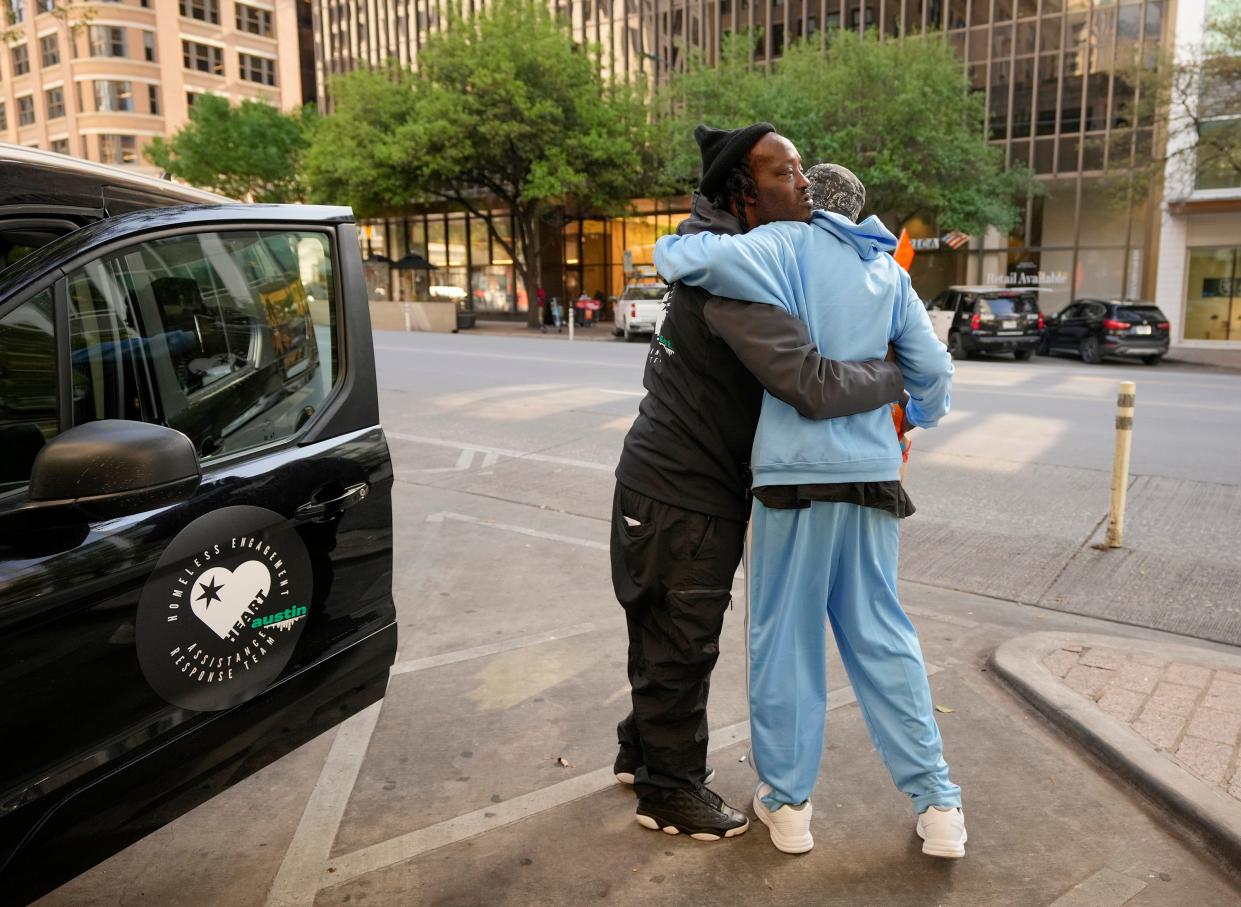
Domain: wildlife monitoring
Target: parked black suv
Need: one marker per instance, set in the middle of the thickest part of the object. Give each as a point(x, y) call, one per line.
point(195, 512)
point(1095, 329)
point(973, 320)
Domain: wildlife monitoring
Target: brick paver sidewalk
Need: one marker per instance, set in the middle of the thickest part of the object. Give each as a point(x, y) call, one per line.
point(1189, 711)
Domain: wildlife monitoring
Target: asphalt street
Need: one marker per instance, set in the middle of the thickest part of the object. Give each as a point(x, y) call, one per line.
point(1012, 488)
point(484, 778)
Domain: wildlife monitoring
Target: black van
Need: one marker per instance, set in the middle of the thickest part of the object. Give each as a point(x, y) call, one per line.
point(972, 320)
point(195, 507)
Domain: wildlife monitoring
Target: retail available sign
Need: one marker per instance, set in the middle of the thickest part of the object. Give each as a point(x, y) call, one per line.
point(1029, 279)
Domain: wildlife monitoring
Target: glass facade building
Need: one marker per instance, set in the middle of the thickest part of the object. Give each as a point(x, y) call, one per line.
point(1048, 70)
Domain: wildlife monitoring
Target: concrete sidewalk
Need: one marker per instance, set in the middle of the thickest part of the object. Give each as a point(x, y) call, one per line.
point(1166, 717)
point(504, 328)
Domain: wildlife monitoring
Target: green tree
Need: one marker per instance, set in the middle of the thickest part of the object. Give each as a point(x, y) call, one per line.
point(1193, 103)
point(251, 150)
point(503, 107)
point(897, 113)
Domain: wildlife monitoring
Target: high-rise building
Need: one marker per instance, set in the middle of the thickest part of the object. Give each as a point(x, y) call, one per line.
point(1051, 73)
point(103, 86)
point(1199, 284)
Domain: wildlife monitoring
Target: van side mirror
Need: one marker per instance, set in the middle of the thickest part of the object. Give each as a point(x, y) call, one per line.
point(112, 468)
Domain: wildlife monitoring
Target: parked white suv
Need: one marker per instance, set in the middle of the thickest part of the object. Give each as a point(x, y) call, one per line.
point(640, 308)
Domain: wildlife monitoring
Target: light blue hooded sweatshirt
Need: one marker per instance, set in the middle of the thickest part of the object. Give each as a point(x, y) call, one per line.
point(838, 277)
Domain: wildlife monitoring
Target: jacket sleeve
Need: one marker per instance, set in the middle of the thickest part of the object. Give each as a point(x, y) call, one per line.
point(758, 266)
point(923, 358)
point(777, 349)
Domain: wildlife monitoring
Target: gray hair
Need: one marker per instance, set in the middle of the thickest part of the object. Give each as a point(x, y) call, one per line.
point(837, 189)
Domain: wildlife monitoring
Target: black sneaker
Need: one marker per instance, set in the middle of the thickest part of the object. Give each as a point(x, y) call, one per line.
point(698, 813)
point(628, 761)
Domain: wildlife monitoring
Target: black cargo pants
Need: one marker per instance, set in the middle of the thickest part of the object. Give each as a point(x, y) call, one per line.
point(672, 571)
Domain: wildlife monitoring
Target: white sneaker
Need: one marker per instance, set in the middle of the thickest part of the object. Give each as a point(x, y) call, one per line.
point(942, 832)
point(789, 825)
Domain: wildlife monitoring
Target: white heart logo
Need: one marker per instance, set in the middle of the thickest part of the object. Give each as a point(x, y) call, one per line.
point(222, 597)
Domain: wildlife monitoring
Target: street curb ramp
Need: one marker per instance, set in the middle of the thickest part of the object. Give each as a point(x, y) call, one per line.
point(1216, 815)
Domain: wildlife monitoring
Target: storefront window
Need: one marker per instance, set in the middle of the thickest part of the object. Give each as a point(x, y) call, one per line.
point(456, 239)
point(480, 243)
point(492, 288)
point(1213, 294)
point(451, 284)
point(437, 250)
point(503, 226)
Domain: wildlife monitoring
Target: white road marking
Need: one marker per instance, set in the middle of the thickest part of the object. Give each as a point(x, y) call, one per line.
point(464, 462)
point(520, 530)
point(518, 642)
point(502, 452)
point(297, 880)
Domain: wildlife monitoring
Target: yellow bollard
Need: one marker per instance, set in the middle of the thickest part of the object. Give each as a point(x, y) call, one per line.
point(1120, 464)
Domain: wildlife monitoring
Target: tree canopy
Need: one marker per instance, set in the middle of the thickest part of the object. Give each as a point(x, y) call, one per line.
point(503, 105)
point(897, 113)
point(251, 150)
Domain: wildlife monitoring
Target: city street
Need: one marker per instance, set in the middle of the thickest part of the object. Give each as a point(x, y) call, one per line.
point(485, 775)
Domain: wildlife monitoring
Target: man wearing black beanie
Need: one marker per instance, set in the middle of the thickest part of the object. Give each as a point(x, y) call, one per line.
point(682, 493)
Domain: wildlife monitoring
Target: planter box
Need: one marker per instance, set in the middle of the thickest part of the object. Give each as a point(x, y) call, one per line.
point(439, 317)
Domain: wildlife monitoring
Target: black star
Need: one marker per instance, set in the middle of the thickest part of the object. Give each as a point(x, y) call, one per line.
point(210, 592)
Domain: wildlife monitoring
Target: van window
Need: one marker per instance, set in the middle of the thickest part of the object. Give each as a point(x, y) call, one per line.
point(1140, 313)
point(28, 411)
point(1003, 306)
point(229, 337)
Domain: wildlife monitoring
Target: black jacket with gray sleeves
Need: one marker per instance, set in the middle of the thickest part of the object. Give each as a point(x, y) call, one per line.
point(708, 364)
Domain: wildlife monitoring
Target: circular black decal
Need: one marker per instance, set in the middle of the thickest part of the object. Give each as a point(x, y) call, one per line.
point(222, 613)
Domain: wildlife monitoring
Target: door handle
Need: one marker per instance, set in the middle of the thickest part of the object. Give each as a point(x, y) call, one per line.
point(324, 510)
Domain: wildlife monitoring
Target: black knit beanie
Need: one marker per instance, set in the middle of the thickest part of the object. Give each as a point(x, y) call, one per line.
point(722, 149)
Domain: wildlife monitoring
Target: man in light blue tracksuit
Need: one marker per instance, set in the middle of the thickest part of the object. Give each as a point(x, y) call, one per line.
point(826, 518)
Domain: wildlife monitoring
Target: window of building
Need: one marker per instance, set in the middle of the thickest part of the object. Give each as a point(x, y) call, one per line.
point(190, 96)
point(16, 11)
point(1213, 294)
point(21, 60)
point(107, 41)
point(60, 146)
point(4, 119)
point(49, 50)
point(1216, 167)
point(241, 357)
point(202, 10)
point(254, 20)
point(117, 149)
point(257, 69)
point(45, 6)
point(25, 110)
point(148, 46)
point(203, 57)
point(153, 99)
point(55, 98)
point(114, 97)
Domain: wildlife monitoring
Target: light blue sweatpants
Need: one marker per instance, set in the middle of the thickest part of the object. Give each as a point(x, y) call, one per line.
point(836, 561)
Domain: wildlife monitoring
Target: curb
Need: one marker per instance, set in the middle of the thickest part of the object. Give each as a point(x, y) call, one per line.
point(1215, 814)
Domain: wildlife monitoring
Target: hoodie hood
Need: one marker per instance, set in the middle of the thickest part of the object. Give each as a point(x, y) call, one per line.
point(704, 217)
point(870, 238)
